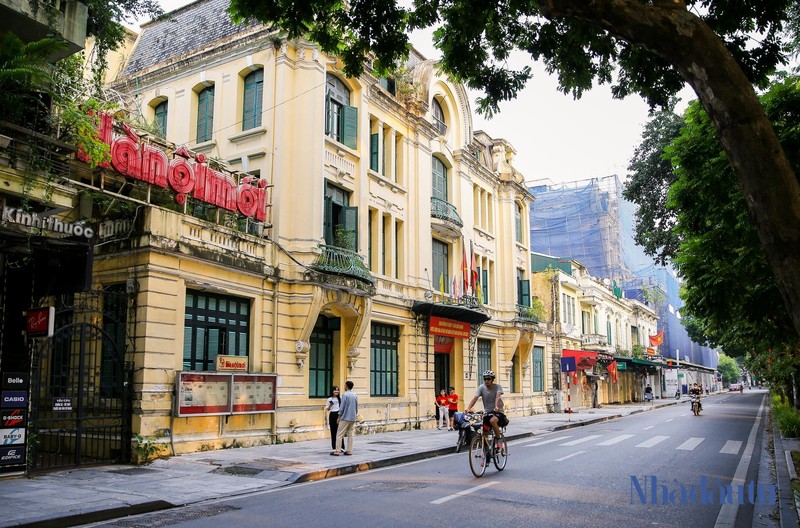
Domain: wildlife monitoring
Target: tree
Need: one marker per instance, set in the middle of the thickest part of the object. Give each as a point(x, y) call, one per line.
point(729, 369)
point(646, 47)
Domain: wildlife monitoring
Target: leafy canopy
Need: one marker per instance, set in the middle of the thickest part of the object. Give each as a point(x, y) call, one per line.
point(477, 38)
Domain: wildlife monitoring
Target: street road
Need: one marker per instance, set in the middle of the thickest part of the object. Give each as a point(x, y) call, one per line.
point(663, 468)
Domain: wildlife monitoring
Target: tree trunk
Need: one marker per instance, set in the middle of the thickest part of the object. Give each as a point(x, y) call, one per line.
point(767, 180)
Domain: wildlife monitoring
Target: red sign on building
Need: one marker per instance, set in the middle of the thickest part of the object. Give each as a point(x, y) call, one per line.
point(449, 328)
point(40, 322)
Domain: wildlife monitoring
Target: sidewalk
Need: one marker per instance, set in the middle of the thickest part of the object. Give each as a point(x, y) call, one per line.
point(82, 496)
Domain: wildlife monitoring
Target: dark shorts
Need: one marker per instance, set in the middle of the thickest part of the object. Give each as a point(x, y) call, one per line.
point(502, 419)
point(451, 412)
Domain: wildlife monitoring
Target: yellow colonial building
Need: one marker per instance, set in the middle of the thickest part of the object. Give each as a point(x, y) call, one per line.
point(281, 228)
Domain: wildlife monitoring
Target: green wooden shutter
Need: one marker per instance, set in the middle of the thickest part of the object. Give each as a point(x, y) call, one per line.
point(485, 285)
point(524, 286)
point(373, 152)
point(253, 95)
point(350, 128)
point(350, 217)
point(205, 115)
point(327, 222)
point(439, 180)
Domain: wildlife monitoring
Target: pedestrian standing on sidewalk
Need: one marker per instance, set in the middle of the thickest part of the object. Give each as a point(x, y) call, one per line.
point(443, 409)
point(453, 405)
point(348, 410)
point(332, 413)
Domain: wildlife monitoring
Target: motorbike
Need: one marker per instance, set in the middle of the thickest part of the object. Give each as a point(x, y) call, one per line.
point(466, 425)
point(695, 405)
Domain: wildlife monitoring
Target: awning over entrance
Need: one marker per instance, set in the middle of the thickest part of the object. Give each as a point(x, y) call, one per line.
point(450, 311)
point(584, 359)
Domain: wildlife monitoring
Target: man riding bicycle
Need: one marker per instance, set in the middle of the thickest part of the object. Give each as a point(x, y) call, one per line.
point(491, 393)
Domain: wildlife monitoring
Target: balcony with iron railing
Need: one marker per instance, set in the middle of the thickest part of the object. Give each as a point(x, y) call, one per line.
point(449, 223)
point(526, 314)
point(342, 262)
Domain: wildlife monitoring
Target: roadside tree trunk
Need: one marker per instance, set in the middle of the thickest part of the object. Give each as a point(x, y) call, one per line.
point(766, 178)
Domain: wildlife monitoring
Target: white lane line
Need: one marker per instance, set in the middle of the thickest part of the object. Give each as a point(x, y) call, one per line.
point(648, 427)
point(653, 441)
point(731, 447)
point(581, 440)
point(670, 419)
point(464, 492)
point(543, 442)
point(570, 456)
point(727, 514)
point(690, 444)
point(615, 440)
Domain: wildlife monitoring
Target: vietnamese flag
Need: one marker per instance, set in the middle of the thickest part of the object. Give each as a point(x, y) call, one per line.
point(657, 339)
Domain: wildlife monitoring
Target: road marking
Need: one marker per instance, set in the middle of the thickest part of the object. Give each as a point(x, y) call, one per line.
point(731, 447)
point(653, 441)
point(570, 456)
point(616, 439)
point(543, 442)
point(727, 514)
point(670, 419)
point(690, 444)
point(581, 440)
point(648, 427)
point(464, 492)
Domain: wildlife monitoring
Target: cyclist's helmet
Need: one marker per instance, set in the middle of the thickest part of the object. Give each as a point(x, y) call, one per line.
point(489, 374)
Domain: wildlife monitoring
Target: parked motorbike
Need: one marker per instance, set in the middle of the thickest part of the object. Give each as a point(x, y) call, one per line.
point(695, 405)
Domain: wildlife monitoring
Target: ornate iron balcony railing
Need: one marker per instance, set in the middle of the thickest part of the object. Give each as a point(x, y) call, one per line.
point(344, 262)
point(445, 211)
point(525, 313)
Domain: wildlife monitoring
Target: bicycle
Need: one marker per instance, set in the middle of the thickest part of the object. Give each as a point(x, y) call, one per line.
point(484, 448)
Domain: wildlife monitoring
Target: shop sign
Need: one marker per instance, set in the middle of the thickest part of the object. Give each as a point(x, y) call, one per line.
point(187, 174)
point(40, 322)
point(449, 327)
point(14, 436)
point(14, 399)
point(12, 418)
point(12, 456)
point(15, 380)
point(62, 404)
point(232, 363)
point(15, 215)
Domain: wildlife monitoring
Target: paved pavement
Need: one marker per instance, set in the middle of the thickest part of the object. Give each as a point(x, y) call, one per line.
point(86, 495)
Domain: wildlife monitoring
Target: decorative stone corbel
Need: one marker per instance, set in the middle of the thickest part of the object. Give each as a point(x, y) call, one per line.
point(352, 357)
point(301, 349)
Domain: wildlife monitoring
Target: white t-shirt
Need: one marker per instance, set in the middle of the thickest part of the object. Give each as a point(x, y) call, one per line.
point(332, 404)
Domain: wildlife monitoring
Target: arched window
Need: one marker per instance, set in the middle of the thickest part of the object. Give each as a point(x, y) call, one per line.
point(341, 119)
point(438, 117)
point(205, 114)
point(439, 179)
point(253, 99)
point(161, 118)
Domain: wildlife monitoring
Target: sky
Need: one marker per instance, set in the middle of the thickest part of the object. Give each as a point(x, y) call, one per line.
point(556, 137)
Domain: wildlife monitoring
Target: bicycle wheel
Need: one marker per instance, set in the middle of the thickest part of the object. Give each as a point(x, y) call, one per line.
point(462, 436)
point(500, 454)
point(477, 456)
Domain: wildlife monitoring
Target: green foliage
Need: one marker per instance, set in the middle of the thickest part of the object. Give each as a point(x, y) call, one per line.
point(786, 417)
point(25, 76)
point(344, 238)
point(477, 39)
point(144, 448)
point(729, 369)
point(638, 351)
point(651, 176)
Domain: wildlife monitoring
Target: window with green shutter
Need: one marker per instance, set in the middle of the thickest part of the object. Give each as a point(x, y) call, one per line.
point(253, 99)
point(439, 179)
point(484, 355)
point(384, 367)
point(538, 369)
point(523, 289)
point(161, 118)
point(214, 325)
point(205, 114)
point(440, 266)
point(373, 151)
point(341, 119)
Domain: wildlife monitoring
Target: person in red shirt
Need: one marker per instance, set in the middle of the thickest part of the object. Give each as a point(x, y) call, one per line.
point(442, 409)
point(453, 399)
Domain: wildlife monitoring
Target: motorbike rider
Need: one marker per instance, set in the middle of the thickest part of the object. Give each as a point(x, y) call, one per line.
point(697, 392)
point(491, 393)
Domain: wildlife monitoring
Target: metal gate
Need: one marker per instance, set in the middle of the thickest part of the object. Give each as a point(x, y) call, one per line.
point(81, 384)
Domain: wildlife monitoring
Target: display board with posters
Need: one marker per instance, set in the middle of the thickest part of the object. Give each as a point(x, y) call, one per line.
point(218, 393)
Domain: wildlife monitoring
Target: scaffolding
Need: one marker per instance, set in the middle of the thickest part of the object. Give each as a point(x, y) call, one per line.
point(589, 221)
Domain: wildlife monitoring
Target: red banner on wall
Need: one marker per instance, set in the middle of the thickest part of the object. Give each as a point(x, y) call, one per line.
point(449, 328)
